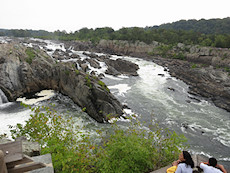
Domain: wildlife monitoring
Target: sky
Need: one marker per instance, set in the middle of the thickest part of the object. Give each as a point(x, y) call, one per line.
point(72, 15)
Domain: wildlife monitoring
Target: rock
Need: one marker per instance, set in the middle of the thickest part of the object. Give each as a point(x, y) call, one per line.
point(101, 76)
point(112, 71)
point(118, 47)
point(20, 77)
point(91, 55)
point(162, 75)
point(93, 63)
point(206, 81)
point(180, 45)
point(93, 73)
point(74, 56)
point(122, 66)
point(172, 89)
point(84, 67)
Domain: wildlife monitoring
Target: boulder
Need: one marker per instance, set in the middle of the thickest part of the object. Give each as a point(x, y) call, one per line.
point(93, 63)
point(122, 66)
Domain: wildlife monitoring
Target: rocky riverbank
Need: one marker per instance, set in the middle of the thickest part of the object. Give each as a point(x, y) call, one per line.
point(25, 70)
point(205, 69)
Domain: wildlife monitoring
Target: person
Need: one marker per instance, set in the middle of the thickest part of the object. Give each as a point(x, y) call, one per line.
point(2, 163)
point(212, 167)
point(183, 165)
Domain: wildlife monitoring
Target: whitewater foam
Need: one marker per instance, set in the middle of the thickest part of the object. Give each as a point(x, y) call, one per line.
point(43, 95)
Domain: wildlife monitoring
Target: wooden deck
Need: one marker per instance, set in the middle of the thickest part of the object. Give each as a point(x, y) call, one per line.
point(15, 160)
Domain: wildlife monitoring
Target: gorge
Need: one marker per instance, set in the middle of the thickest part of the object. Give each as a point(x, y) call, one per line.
point(150, 91)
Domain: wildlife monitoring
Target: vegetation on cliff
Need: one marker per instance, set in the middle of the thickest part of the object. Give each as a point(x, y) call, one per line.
point(131, 149)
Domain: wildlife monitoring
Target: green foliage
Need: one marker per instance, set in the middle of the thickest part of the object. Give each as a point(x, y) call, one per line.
point(102, 84)
point(135, 149)
point(69, 147)
point(211, 26)
point(129, 149)
point(162, 50)
point(88, 81)
point(84, 109)
point(194, 66)
point(180, 56)
point(77, 72)
point(203, 32)
point(30, 55)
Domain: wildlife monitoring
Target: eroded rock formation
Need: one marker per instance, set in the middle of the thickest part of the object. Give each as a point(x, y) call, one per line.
point(24, 70)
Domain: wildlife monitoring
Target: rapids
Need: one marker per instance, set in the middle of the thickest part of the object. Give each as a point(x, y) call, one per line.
point(153, 95)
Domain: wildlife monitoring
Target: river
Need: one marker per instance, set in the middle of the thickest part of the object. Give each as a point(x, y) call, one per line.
point(154, 96)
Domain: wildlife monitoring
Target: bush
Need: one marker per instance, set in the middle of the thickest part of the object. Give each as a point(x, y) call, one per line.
point(69, 147)
point(137, 149)
point(125, 149)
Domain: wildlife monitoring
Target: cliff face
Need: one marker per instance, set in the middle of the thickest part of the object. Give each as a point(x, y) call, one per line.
point(205, 69)
point(24, 70)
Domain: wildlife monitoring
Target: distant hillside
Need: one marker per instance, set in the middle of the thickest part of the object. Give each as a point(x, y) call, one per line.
point(213, 32)
point(212, 26)
point(23, 33)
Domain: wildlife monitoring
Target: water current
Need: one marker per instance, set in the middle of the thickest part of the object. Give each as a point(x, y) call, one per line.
point(154, 96)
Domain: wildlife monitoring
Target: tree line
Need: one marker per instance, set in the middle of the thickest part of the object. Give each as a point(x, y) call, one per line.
point(211, 26)
point(183, 33)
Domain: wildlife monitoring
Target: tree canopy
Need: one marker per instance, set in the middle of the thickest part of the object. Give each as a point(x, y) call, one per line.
point(214, 32)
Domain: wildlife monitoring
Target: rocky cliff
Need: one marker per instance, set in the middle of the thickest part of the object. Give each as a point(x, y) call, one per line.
point(205, 69)
point(24, 70)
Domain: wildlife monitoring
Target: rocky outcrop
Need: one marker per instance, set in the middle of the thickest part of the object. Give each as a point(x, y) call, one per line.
point(120, 66)
point(115, 67)
point(24, 70)
point(205, 69)
point(208, 82)
point(137, 49)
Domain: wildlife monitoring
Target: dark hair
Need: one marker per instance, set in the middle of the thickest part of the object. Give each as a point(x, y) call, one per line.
point(188, 159)
point(212, 162)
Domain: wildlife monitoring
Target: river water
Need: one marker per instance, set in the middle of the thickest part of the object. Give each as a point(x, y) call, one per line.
point(154, 96)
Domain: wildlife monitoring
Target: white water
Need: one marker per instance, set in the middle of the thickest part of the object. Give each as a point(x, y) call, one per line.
point(151, 96)
point(206, 126)
point(3, 98)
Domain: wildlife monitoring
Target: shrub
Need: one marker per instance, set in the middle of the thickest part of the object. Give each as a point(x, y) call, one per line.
point(138, 150)
point(180, 56)
point(77, 72)
point(30, 55)
point(69, 147)
point(129, 149)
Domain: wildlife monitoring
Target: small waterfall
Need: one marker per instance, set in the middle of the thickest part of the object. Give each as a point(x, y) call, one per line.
point(3, 98)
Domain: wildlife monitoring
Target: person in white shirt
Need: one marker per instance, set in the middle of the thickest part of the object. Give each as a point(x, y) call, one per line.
point(212, 167)
point(185, 163)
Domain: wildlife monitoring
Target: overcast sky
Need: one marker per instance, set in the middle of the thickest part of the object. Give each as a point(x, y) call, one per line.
point(72, 15)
